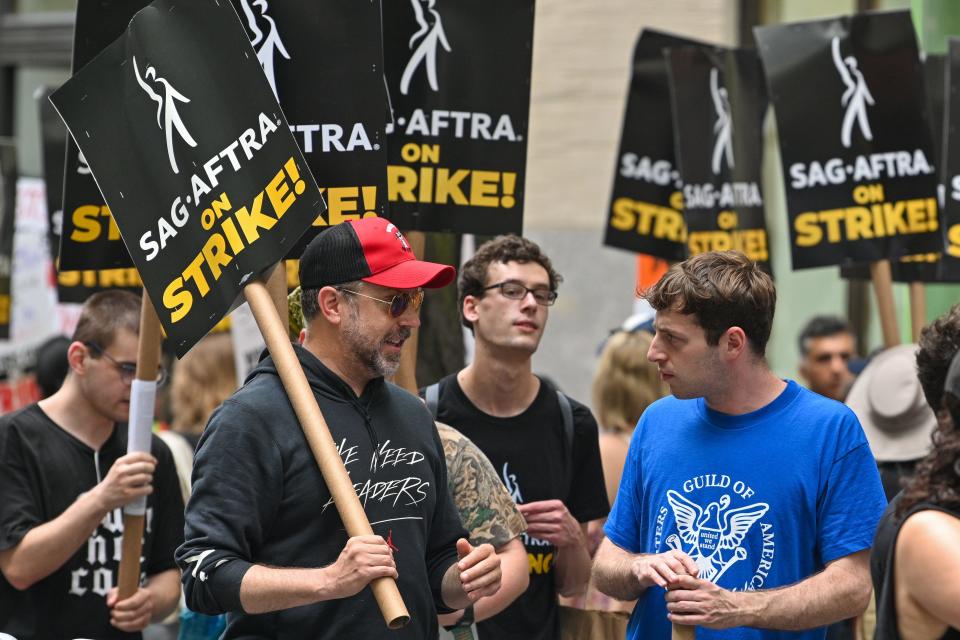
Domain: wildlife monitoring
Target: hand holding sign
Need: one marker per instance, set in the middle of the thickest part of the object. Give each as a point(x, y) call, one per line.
point(194, 125)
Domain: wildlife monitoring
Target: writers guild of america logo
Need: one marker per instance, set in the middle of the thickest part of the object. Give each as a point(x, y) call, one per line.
point(168, 118)
point(424, 42)
point(855, 98)
point(264, 37)
point(723, 127)
point(713, 535)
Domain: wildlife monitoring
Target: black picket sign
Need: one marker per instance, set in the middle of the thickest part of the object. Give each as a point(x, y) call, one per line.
point(458, 76)
point(90, 238)
point(53, 140)
point(950, 265)
point(646, 211)
point(8, 210)
point(72, 286)
point(855, 142)
point(927, 267)
point(194, 156)
point(324, 61)
point(718, 101)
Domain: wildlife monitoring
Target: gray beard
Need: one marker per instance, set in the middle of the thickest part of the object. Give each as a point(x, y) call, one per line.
point(369, 356)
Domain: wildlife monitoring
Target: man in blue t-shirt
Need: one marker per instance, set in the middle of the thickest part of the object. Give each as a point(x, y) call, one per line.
point(746, 500)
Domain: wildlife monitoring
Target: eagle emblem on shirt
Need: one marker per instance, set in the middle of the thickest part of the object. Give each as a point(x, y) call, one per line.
point(713, 535)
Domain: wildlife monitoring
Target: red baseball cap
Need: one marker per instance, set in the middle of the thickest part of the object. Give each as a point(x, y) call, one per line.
point(373, 250)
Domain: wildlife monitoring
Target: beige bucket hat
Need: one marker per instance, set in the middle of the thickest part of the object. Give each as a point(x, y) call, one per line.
point(889, 402)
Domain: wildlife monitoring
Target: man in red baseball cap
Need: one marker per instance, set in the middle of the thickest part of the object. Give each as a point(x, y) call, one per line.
point(263, 539)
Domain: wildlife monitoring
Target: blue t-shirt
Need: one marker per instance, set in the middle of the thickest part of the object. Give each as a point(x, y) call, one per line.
point(759, 500)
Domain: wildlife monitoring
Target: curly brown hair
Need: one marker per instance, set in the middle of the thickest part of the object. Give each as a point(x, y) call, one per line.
point(937, 477)
point(939, 342)
point(720, 289)
point(508, 248)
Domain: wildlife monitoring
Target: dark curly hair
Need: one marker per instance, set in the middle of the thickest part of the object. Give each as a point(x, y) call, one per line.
point(508, 248)
point(939, 342)
point(937, 477)
point(720, 289)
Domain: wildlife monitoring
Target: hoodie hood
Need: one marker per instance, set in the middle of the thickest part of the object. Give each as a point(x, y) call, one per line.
point(322, 380)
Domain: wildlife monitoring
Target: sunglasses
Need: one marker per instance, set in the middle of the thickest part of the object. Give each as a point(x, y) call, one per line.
point(127, 370)
point(398, 304)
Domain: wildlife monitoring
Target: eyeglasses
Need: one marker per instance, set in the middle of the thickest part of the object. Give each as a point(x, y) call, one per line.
point(127, 370)
point(398, 303)
point(516, 291)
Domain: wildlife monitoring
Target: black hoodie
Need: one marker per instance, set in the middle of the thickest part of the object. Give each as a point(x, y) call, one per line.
point(258, 497)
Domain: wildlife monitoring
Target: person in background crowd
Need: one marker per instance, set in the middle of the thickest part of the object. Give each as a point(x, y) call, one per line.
point(202, 380)
point(64, 476)
point(486, 509)
point(746, 501)
point(916, 555)
point(826, 347)
point(263, 538)
point(543, 444)
point(52, 364)
point(624, 385)
point(889, 402)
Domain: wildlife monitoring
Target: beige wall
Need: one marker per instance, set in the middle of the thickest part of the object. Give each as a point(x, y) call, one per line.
point(581, 70)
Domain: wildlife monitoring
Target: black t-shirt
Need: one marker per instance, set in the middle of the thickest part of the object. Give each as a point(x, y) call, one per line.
point(530, 453)
point(43, 469)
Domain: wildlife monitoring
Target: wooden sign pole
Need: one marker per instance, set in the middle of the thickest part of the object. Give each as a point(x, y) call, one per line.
point(141, 413)
point(883, 288)
point(682, 632)
point(918, 308)
point(277, 286)
point(406, 376)
point(276, 336)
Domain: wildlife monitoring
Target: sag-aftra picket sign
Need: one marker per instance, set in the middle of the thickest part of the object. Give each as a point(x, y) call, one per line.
point(458, 79)
point(949, 267)
point(90, 238)
point(855, 142)
point(323, 60)
point(8, 208)
point(719, 101)
point(194, 157)
point(77, 285)
point(646, 205)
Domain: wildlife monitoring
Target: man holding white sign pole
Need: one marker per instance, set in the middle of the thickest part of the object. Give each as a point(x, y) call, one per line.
point(65, 474)
point(263, 540)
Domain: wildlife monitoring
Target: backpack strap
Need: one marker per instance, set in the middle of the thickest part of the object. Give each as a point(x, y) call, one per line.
point(432, 397)
point(566, 411)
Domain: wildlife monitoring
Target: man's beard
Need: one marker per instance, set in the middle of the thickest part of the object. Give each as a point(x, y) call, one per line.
point(369, 356)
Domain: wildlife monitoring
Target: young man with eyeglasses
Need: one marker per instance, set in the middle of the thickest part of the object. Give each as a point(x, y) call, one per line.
point(263, 538)
point(544, 445)
point(65, 475)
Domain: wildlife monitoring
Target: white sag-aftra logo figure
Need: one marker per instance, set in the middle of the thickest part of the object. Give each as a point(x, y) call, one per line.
point(713, 535)
point(166, 108)
point(513, 487)
point(723, 127)
point(430, 34)
point(83, 168)
point(856, 97)
point(266, 44)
